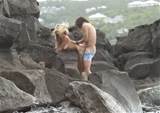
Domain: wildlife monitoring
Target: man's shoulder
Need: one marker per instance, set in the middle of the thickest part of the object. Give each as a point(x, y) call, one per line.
point(86, 25)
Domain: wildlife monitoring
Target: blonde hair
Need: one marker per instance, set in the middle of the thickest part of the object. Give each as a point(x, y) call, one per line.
point(61, 28)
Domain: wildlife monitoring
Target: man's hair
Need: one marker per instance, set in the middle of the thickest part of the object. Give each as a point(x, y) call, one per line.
point(79, 22)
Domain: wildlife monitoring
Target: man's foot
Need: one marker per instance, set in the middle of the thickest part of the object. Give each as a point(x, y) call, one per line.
point(84, 76)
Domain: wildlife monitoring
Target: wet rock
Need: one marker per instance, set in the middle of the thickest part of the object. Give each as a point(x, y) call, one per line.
point(63, 107)
point(150, 97)
point(148, 91)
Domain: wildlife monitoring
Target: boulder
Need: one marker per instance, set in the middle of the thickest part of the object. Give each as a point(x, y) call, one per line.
point(72, 71)
point(148, 91)
point(23, 7)
point(103, 55)
point(12, 97)
point(98, 66)
point(155, 72)
point(92, 99)
point(28, 62)
point(150, 96)
point(102, 41)
point(145, 68)
point(9, 31)
point(140, 70)
point(127, 59)
point(37, 33)
point(56, 83)
point(138, 39)
point(75, 33)
point(119, 85)
point(45, 54)
point(30, 81)
point(4, 8)
point(32, 25)
point(9, 60)
point(155, 37)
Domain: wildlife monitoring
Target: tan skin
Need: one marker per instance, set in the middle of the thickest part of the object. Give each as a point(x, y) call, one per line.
point(63, 42)
point(89, 41)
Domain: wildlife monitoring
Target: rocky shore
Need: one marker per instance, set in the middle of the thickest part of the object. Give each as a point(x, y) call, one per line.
point(125, 78)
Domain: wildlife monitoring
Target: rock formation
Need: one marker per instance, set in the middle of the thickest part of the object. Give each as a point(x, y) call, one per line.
point(31, 72)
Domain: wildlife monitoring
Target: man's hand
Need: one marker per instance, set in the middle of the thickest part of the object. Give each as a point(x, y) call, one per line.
point(77, 42)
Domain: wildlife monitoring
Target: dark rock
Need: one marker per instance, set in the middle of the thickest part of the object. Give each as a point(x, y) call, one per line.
point(140, 70)
point(57, 83)
point(30, 81)
point(103, 55)
point(28, 62)
point(75, 33)
point(4, 8)
point(124, 61)
point(12, 97)
point(32, 25)
point(9, 60)
point(145, 68)
point(98, 66)
point(9, 31)
point(102, 41)
point(37, 33)
point(68, 56)
point(138, 39)
point(23, 7)
point(155, 37)
point(45, 54)
point(155, 71)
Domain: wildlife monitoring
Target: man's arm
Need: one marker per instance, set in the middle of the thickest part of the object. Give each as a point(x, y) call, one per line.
point(80, 41)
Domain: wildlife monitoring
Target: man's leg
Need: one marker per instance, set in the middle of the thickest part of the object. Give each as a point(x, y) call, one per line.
point(87, 66)
point(87, 70)
point(87, 61)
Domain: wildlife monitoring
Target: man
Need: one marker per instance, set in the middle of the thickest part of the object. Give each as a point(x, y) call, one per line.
point(89, 42)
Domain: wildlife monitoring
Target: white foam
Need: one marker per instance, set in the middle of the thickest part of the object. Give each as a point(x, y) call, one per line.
point(143, 3)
